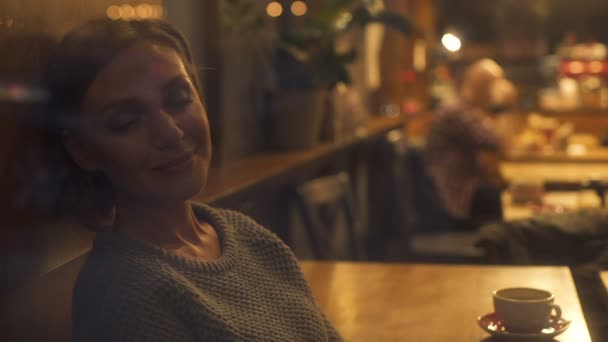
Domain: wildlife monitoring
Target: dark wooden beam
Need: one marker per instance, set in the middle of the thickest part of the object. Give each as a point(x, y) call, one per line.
point(212, 73)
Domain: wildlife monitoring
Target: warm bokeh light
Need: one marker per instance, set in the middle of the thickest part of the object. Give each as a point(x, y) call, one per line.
point(274, 9)
point(591, 82)
point(596, 67)
point(576, 67)
point(451, 42)
point(158, 11)
point(576, 149)
point(299, 8)
point(114, 12)
point(143, 11)
point(419, 62)
point(127, 12)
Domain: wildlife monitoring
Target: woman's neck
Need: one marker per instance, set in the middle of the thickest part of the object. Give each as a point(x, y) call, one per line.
point(166, 225)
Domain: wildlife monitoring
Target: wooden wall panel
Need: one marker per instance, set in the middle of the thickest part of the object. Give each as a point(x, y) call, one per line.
point(399, 79)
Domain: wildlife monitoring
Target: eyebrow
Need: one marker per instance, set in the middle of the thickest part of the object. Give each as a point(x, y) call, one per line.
point(179, 79)
point(109, 107)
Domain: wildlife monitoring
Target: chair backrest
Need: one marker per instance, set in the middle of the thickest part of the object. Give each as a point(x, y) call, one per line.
point(425, 210)
point(392, 215)
point(42, 270)
point(320, 202)
point(42, 310)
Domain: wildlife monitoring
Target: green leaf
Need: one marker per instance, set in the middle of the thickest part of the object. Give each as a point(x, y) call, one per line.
point(298, 54)
point(395, 21)
point(348, 57)
point(361, 16)
point(314, 43)
point(329, 11)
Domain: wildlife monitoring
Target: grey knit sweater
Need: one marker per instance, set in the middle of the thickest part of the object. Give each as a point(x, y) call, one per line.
point(135, 291)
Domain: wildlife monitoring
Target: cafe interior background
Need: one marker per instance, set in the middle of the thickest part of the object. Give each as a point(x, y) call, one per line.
point(352, 116)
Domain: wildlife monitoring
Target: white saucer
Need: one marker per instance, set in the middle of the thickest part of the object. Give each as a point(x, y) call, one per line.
point(492, 324)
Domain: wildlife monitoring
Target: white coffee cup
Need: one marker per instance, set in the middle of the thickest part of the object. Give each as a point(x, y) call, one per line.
point(525, 309)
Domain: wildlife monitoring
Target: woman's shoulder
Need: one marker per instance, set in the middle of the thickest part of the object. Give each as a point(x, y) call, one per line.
point(240, 222)
point(109, 272)
point(253, 237)
point(117, 292)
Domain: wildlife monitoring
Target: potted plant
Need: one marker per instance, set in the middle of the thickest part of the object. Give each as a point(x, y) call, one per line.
point(309, 66)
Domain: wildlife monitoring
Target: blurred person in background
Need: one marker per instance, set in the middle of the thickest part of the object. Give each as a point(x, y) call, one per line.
point(566, 46)
point(463, 147)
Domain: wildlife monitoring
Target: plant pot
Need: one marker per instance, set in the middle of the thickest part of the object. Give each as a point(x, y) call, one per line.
point(298, 118)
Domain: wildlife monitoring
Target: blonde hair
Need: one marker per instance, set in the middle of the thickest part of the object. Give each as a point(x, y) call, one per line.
point(477, 83)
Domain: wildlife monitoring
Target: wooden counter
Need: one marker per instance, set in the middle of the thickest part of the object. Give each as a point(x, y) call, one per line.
point(545, 171)
point(245, 173)
point(593, 156)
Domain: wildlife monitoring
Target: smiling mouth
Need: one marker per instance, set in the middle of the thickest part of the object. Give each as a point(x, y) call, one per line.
point(176, 164)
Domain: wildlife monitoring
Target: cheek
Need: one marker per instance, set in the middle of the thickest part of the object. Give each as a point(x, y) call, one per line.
point(122, 155)
point(196, 128)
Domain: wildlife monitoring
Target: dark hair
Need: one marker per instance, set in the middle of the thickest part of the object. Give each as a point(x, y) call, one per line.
point(87, 49)
point(77, 60)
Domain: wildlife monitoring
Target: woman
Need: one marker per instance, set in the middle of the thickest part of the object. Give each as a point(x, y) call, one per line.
point(126, 101)
point(464, 145)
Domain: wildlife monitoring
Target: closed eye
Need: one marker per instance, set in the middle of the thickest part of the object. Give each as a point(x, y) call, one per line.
point(179, 95)
point(122, 118)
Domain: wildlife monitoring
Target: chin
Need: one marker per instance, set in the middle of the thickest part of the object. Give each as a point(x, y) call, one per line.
point(185, 188)
point(177, 186)
point(175, 192)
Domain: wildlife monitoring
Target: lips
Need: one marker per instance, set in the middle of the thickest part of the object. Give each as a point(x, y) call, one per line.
point(175, 164)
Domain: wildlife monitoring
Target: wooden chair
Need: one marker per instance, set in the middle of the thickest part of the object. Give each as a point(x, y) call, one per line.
point(39, 304)
point(388, 215)
point(427, 233)
point(320, 202)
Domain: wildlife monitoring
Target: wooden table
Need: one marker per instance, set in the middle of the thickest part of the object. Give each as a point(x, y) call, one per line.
point(604, 278)
point(599, 155)
point(540, 172)
point(561, 201)
point(604, 281)
point(415, 302)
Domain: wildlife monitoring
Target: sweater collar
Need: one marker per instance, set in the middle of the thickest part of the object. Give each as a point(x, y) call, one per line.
point(114, 241)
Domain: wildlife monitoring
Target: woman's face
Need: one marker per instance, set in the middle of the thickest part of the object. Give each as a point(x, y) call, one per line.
point(144, 127)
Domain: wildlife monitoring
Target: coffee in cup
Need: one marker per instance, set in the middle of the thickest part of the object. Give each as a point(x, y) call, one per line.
point(525, 309)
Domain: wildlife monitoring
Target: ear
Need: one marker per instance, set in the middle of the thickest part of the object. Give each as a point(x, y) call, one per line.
point(79, 151)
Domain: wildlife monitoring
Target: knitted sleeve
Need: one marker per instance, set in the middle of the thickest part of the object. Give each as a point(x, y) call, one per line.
point(332, 333)
point(110, 305)
point(264, 238)
point(137, 322)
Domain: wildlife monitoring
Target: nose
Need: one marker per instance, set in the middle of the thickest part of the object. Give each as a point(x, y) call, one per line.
point(165, 131)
